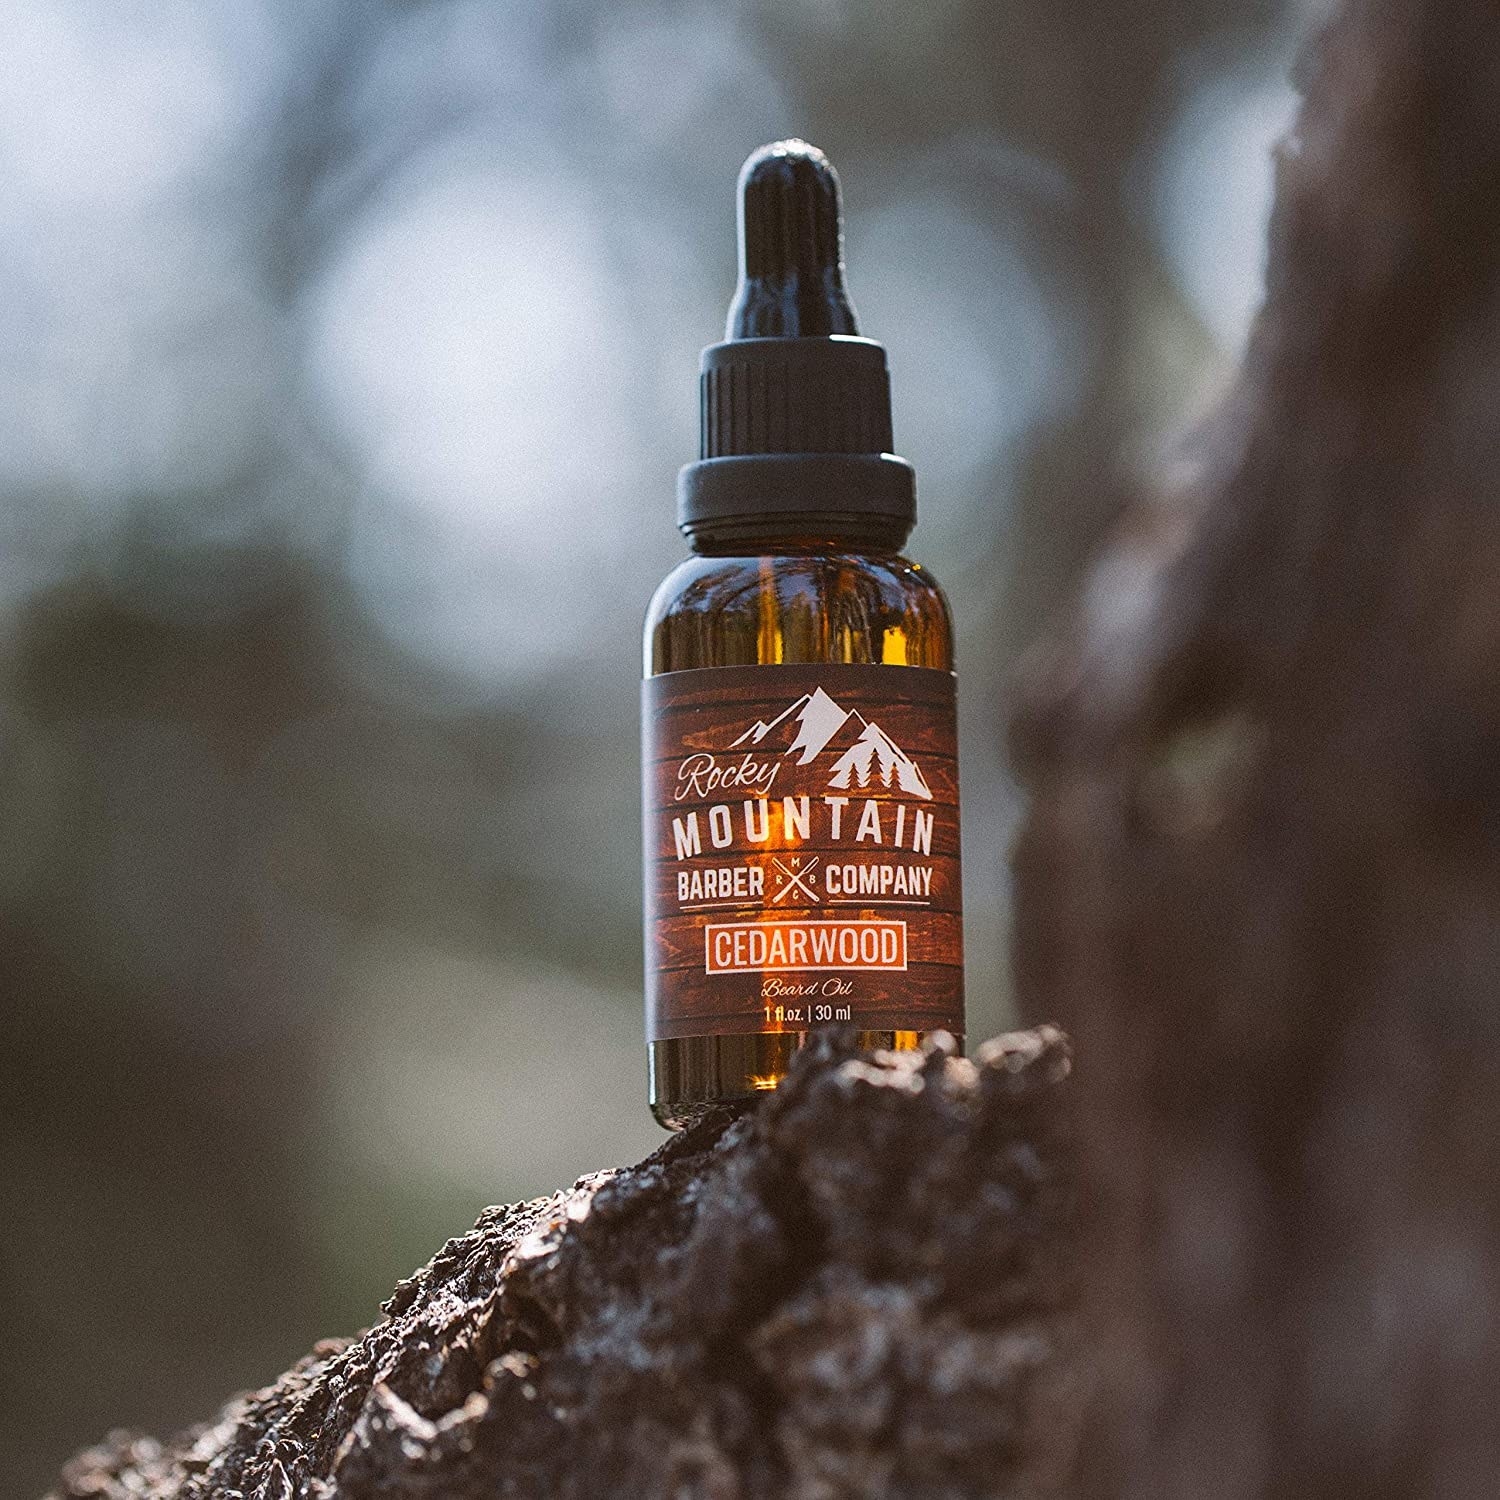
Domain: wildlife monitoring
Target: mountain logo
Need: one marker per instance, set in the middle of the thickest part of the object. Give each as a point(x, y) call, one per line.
point(864, 754)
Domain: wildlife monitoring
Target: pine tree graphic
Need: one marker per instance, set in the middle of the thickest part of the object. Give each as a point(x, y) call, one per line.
point(874, 754)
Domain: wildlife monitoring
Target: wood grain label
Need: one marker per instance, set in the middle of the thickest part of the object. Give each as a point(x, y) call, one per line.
point(801, 842)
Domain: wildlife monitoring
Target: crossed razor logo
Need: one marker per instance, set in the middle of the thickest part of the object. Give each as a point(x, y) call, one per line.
point(796, 879)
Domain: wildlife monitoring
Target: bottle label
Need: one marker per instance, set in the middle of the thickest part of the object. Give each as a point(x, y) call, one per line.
point(801, 842)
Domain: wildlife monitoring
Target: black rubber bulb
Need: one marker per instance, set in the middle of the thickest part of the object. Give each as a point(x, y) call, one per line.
point(791, 247)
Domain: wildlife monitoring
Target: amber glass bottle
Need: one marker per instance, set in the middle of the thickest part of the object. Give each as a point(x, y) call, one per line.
point(801, 819)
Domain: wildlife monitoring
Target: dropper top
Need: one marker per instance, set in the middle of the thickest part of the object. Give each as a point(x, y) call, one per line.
point(794, 406)
point(791, 247)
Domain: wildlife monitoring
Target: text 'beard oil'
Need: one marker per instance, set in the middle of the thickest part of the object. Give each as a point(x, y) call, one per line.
point(800, 766)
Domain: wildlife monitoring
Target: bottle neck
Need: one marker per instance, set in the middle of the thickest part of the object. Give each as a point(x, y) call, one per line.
point(793, 536)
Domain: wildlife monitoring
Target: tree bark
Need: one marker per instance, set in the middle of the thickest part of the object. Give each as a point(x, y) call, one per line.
point(1260, 884)
point(1261, 880)
point(860, 1288)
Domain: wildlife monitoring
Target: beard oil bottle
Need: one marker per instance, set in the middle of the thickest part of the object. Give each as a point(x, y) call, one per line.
point(799, 742)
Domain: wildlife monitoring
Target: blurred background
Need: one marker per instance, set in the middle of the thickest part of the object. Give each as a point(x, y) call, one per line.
point(347, 356)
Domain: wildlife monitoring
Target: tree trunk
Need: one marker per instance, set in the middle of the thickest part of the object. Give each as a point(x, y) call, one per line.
point(1261, 886)
point(1261, 880)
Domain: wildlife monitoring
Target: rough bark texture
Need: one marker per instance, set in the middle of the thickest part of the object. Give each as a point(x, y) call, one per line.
point(1261, 880)
point(860, 1288)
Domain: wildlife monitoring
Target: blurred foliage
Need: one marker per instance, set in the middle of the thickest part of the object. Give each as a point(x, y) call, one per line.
point(349, 356)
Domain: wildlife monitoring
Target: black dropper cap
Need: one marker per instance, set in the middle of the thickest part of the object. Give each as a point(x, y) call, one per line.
point(795, 406)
